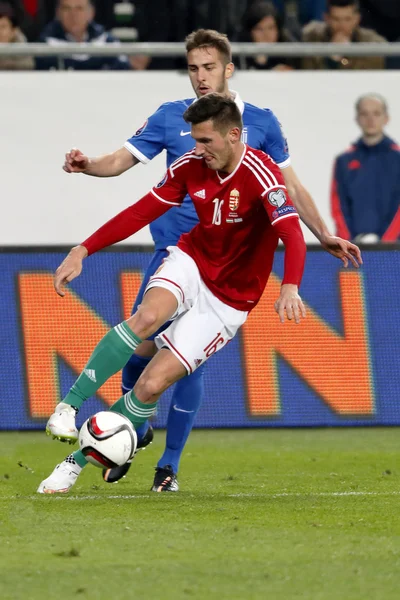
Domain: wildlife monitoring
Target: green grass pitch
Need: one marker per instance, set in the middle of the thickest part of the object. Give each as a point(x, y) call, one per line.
point(262, 514)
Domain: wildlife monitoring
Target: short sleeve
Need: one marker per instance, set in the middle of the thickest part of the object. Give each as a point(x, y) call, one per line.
point(172, 188)
point(275, 143)
point(149, 139)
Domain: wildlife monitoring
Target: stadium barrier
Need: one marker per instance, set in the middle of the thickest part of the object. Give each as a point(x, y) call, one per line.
point(178, 49)
point(241, 50)
point(339, 367)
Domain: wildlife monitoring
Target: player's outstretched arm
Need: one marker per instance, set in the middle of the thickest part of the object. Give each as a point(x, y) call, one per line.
point(309, 214)
point(108, 165)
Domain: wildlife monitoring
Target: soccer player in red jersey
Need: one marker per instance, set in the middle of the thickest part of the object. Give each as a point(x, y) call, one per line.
point(210, 69)
point(214, 276)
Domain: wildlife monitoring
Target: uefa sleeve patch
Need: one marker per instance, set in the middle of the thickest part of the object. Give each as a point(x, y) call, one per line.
point(277, 198)
point(285, 210)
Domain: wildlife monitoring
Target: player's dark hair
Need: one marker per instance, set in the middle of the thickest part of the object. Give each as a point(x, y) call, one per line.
point(221, 110)
point(7, 11)
point(209, 38)
point(372, 96)
point(344, 4)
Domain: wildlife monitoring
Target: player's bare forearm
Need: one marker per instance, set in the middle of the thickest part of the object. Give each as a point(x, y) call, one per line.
point(111, 165)
point(309, 214)
point(305, 205)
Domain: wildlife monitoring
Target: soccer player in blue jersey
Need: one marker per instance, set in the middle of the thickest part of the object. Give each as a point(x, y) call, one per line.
point(210, 68)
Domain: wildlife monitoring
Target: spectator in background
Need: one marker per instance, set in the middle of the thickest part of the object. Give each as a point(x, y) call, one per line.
point(341, 26)
point(33, 15)
point(74, 23)
point(10, 33)
point(365, 195)
point(263, 24)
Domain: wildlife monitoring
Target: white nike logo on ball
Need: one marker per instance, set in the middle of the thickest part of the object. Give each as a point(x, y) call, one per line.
point(185, 132)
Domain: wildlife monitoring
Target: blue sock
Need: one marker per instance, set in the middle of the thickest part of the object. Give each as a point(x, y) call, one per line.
point(185, 403)
point(132, 371)
point(130, 374)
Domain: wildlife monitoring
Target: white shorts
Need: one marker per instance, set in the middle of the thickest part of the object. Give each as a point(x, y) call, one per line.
point(202, 324)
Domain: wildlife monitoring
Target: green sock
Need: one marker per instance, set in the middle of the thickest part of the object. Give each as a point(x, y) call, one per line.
point(137, 412)
point(79, 458)
point(109, 356)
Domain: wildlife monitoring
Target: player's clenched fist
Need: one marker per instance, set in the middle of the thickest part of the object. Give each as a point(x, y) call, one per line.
point(290, 302)
point(75, 161)
point(70, 268)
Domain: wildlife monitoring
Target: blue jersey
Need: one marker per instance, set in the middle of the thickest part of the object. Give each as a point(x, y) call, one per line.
point(167, 130)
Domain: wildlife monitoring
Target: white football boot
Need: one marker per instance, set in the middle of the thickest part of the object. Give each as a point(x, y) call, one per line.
point(61, 425)
point(62, 478)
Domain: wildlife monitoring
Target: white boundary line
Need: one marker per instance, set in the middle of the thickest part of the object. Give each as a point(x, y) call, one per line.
point(304, 495)
point(314, 494)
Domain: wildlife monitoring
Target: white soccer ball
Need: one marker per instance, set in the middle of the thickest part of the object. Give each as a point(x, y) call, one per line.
point(107, 439)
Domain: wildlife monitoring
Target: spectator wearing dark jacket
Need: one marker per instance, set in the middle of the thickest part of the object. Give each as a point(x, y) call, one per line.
point(33, 16)
point(75, 24)
point(262, 23)
point(342, 25)
point(365, 195)
point(10, 33)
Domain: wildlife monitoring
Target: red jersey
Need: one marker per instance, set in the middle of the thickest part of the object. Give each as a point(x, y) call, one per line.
point(242, 215)
point(234, 242)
